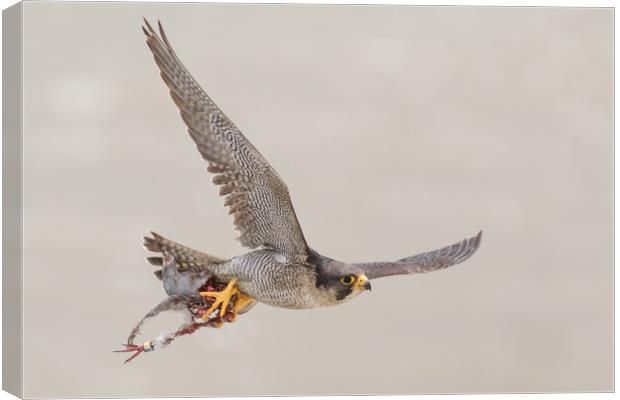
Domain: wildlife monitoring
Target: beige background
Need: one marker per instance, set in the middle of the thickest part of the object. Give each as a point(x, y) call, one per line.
point(397, 129)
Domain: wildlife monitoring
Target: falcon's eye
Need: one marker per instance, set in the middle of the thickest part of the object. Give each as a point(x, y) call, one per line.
point(347, 280)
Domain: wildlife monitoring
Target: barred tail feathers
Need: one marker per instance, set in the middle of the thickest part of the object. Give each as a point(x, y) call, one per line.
point(186, 258)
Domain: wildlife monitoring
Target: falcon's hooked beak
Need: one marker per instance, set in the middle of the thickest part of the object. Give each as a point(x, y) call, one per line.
point(362, 283)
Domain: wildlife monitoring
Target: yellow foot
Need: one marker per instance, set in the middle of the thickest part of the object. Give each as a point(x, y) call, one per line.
point(221, 298)
point(243, 303)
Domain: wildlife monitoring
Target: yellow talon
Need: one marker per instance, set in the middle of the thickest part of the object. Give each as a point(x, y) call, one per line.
point(221, 298)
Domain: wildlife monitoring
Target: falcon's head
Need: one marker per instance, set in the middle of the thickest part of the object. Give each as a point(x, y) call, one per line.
point(341, 281)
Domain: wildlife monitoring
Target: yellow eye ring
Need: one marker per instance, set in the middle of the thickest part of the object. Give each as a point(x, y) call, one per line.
point(347, 280)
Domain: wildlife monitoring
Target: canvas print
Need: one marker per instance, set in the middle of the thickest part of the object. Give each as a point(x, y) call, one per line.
point(276, 161)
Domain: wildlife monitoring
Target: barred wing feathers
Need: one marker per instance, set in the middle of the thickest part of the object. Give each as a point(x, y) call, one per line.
point(425, 262)
point(257, 198)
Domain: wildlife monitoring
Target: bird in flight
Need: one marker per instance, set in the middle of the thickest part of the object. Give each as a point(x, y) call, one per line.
point(281, 269)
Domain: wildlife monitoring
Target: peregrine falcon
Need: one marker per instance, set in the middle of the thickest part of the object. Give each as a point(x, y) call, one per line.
point(281, 269)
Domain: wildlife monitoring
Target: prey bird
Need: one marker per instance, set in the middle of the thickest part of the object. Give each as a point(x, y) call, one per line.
point(282, 270)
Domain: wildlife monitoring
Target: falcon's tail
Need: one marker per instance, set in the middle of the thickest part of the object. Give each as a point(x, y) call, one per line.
point(186, 258)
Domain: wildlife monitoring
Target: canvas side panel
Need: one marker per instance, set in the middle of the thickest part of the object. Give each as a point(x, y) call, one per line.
point(12, 200)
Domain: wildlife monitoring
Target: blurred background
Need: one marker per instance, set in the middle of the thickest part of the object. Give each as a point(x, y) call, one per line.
point(397, 129)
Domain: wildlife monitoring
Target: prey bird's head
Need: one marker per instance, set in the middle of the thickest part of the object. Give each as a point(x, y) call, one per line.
point(341, 281)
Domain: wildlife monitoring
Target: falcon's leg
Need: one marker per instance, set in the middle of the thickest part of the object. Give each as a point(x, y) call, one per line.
point(220, 298)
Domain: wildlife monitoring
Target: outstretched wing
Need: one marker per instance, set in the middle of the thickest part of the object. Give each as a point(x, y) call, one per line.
point(256, 196)
point(425, 262)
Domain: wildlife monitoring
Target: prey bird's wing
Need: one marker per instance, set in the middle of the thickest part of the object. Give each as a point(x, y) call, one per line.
point(256, 196)
point(425, 262)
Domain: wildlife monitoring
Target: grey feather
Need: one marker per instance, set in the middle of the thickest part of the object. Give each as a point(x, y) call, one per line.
point(259, 199)
point(157, 261)
point(425, 262)
point(186, 258)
